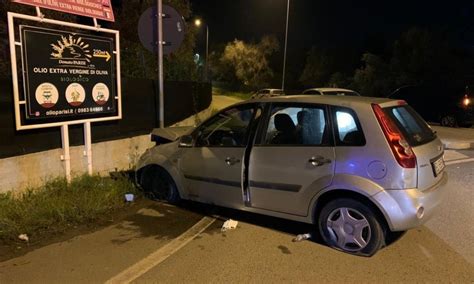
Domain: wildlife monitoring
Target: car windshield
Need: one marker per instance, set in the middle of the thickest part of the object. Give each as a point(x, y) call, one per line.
point(413, 127)
point(341, 93)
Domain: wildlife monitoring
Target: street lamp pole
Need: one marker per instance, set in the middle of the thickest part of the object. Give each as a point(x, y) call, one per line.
point(286, 41)
point(198, 23)
point(207, 52)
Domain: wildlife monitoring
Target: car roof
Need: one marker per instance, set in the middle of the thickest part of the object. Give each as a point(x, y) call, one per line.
point(270, 90)
point(330, 100)
point(330, 90)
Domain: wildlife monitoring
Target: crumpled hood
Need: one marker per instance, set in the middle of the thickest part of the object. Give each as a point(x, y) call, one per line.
point(169, 134)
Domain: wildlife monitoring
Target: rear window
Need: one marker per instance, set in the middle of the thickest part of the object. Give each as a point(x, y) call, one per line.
point(410, 123)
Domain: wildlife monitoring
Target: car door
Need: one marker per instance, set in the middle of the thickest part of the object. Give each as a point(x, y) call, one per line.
point(212, 168)
point(292, 159)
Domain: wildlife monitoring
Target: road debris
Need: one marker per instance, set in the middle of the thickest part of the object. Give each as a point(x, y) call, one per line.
point(129, 197)
point(229, 224)
point(302, 237)
point(24, 237)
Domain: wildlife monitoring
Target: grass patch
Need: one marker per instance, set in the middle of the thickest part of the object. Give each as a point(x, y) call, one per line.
point(57, 205)
point(216, 91)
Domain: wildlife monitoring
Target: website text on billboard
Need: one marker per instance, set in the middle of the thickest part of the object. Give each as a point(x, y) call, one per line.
point(100, 9)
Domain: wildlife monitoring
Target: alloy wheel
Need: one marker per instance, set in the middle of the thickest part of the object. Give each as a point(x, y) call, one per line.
point(349, 229)
point(448, 120)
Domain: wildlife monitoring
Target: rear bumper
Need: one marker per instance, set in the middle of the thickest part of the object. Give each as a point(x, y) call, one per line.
point(409, 208)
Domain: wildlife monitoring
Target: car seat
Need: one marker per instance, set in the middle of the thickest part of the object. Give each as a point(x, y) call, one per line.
point(285, 130)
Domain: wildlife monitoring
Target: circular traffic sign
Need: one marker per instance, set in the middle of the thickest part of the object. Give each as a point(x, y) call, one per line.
point(173, 29)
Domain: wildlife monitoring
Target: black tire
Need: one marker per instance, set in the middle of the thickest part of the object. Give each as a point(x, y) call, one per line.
point(392, 237)
point(448, 120)
point(360, 222)
point(159, 185)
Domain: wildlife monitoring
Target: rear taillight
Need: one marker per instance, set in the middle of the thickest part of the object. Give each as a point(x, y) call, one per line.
point(400, 147)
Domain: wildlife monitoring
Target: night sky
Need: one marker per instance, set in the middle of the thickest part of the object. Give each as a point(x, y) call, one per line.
point(355, 24)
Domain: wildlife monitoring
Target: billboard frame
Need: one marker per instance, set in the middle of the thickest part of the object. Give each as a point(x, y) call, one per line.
point(65, 157)
point(13, 57)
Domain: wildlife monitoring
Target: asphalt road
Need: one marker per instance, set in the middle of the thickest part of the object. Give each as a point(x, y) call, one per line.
point(260, 249)
point(455, 221)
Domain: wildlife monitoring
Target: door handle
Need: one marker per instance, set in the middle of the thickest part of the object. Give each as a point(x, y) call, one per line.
point(231, 160)
point(318, 161)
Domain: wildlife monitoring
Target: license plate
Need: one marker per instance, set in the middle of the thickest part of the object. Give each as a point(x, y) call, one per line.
point(438, 166)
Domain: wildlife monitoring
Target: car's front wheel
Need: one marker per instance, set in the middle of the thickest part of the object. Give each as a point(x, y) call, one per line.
point(351, 226)
point(158, 184)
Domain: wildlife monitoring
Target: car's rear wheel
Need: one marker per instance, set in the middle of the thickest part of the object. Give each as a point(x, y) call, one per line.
point(351, 226)
point(449, 120)
point(158, 184)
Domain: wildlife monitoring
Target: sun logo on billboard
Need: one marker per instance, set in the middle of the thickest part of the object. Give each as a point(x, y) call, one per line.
point(71, 48)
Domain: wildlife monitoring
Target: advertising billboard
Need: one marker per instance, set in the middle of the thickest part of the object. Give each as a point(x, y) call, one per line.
point(67, 76)
point(100, 9)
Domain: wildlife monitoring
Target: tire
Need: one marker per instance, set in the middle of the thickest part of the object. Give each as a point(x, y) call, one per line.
point(350, 226)
point(449, 120)
point(159, 185)
point(391, 237)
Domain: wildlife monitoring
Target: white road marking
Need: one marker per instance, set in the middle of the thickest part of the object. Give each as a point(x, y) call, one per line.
point(143, 266)
point(459, 161)
point(450, 155)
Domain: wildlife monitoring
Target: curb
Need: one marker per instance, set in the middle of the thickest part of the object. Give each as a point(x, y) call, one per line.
point(457, 145)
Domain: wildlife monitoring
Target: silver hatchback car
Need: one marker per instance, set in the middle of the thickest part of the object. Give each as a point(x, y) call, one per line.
point(358, 168)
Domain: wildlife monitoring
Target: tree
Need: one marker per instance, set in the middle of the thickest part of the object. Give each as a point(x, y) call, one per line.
point(139, 62)
point(339, 80)
point(374, 78)
point(248, 62)
point(136, 61)
point(416, 57)
point(421, 56)
point(318, 68)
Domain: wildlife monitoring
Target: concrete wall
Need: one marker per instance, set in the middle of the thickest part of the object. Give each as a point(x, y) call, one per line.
point(31, 170)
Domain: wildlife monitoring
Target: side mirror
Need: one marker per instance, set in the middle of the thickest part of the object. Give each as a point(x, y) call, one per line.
point(186, 141)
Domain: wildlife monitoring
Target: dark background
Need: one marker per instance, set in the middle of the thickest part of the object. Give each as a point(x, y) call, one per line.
point(351, 27)
point(366, 24)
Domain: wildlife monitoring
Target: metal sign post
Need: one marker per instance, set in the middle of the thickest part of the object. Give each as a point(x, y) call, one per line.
point(88, 146)
point(286, 42)
point(160, 62)
point(65, 157)
point(161, 30)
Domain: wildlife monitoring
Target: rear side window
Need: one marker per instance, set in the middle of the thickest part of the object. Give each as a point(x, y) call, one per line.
point(413, 127)
point(348, 129)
